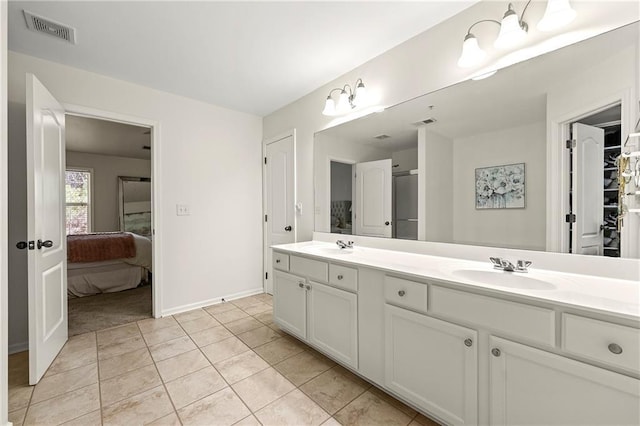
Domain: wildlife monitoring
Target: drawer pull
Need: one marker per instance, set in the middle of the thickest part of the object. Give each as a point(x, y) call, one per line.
point(495, 352)
point(308, 287)
point(468, 342)
point(277, 260)
point(301, 284)
point(401, 293)
point(340, 277)
point(614, 348)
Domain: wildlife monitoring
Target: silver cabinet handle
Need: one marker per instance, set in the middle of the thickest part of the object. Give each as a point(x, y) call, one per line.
point(468, 342)
point(340, 277)
point(401, 293)
point(301, 284)
point(277, 260)
point(615, 349)
point(495, 352)
point(308, 287)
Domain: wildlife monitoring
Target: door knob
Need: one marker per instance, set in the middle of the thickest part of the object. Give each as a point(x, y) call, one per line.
point(46, 243)
point(387, 223)
point(288, 228)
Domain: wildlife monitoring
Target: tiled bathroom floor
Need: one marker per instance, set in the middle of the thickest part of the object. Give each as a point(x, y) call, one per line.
point(222, 365)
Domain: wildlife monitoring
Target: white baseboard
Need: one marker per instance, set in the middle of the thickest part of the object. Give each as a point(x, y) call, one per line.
point(18, 347)
point(191, 306)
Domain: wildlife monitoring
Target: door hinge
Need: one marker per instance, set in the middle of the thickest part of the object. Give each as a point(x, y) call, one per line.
point(266, 275)
point(570, 218)
point(571, 143)
point(265, 160)
point(265, 217)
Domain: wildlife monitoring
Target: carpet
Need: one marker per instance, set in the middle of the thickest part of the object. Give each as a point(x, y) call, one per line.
point(106, 310)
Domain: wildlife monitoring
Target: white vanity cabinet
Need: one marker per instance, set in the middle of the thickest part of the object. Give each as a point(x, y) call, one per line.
point(322, 315)
point(433, 364)
point(290, 303)
point(333, 322)
point(531, 386)
point(459, 353)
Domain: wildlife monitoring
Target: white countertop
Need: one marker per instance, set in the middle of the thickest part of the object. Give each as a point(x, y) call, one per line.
point(620, 298)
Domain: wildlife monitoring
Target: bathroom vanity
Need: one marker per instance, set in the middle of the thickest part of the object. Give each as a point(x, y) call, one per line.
point(465, 343)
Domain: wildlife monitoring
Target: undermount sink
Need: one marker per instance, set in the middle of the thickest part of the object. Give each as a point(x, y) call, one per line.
point(329, 250)
point(504, 279)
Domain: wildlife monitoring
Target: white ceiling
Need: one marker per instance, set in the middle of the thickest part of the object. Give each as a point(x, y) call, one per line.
point(103, 137)
point(254, 57)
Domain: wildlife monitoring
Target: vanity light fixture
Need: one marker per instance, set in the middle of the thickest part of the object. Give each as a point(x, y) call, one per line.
point(557, 14)
point(348, 99)
point(513, 29)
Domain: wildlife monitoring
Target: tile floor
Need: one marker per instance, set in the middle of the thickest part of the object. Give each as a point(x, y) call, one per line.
point(222, 365)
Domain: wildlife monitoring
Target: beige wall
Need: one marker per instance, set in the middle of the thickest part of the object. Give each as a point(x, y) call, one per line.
point(106, 169)
point(208, 157)
point(511, 228)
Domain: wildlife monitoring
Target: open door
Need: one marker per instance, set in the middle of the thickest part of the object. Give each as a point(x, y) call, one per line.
point(373, 198)
point(587, 189)
point(280, 199)
point(46, 230)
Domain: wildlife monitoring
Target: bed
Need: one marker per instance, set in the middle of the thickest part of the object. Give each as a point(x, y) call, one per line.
point(107, 262)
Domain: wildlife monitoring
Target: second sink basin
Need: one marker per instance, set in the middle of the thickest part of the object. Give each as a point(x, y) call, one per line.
point(328, 250)
point(504, 279)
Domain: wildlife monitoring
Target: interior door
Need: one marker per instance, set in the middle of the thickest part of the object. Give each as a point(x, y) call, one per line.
point(280, 199)
point(46, 230)
point(373, 198)
point(587, 189)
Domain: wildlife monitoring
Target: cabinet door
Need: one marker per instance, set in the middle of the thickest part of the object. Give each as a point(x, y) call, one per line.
point(289, 303)
point(433, 364)
point(333, 322)
point(530, 386)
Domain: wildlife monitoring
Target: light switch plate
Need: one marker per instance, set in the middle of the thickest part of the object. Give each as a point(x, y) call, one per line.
point(183, 210)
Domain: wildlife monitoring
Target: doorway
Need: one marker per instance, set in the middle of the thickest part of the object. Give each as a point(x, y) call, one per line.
point(108, 223)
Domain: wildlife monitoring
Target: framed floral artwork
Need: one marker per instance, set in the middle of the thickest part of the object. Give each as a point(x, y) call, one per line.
point(500, 187)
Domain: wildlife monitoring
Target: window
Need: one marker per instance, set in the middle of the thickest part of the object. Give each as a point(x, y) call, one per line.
point(78, 201)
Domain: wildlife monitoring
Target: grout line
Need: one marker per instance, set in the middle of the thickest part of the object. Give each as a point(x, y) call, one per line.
point(164, 386)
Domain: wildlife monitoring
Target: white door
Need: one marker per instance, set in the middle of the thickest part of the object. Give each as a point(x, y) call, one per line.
point(333, 322)
point(46, 216)
point(373, 198)
point(532, 387)
point(279, 193)
point(587, 189)
point(433, 364)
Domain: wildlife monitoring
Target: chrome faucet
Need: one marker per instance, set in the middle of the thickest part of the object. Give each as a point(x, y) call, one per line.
point(344, 244)
point(507, 266)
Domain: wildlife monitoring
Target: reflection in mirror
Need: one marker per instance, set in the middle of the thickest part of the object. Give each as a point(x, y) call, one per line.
point(134, 198)
point(440, 167)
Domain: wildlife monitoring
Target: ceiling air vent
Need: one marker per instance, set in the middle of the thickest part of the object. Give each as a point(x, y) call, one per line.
point(429, 120)
point(47, 26)
point(381, 137)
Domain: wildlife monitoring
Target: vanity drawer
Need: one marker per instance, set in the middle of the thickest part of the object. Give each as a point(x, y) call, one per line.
point(401, 292)
point(280, 261)
point(597, 340)
point(313, 269)
point(516, 319)
point(343, 277)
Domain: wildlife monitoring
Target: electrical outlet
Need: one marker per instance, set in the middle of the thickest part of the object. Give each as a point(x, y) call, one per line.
point(182, 210)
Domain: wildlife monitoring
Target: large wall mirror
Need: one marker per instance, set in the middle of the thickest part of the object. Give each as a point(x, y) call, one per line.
point(485, 162)
point(134, 198)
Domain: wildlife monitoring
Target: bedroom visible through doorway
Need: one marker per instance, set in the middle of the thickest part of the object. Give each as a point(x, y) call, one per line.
point(108, 222)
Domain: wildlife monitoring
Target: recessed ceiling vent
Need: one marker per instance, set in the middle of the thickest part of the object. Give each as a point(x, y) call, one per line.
point(429, 120)
point(381, 137)
point(47, 26)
